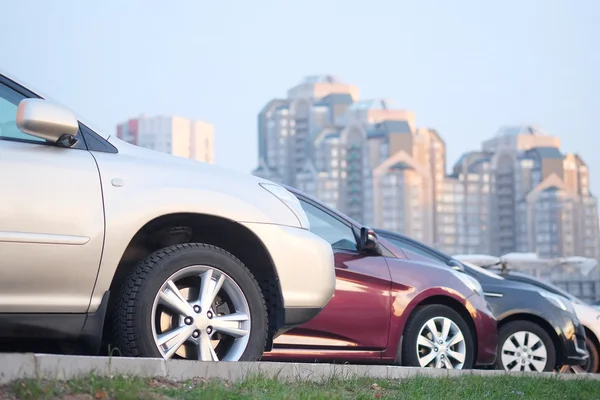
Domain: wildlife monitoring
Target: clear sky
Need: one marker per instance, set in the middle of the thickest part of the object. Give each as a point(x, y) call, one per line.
point(465, 66)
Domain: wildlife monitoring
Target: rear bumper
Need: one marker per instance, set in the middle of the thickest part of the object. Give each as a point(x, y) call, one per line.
point(487, 334)
point(305, 267)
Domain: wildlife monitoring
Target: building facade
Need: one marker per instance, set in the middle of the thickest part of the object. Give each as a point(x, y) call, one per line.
point(179, 136)
point(366, 158)
point(521, 194)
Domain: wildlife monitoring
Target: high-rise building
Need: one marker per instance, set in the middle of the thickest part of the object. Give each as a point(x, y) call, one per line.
point(463, 206)
point(174, 135)
point(355, 155)
point(287, 127)
point(520, 194)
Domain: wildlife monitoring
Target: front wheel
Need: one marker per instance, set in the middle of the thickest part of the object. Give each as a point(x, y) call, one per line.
point(192, 301)
point(525, 346)
point(436, 336)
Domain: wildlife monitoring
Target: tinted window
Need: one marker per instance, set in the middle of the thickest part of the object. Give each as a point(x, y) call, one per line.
point(9, 102)
point(334, 231)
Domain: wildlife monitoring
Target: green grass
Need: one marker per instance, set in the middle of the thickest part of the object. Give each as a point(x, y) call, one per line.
point(467, 387)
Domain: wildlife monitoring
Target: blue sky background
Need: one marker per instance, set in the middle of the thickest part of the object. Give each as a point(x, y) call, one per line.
point(465, 67)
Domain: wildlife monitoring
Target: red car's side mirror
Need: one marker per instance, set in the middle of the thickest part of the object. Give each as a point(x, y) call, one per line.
point(368, 241)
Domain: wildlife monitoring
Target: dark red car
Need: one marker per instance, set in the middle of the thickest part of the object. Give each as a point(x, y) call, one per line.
point(388, 309)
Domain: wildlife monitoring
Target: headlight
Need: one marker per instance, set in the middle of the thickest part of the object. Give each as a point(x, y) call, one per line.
point(558, 301)
point(471, 282)
point(289, 200)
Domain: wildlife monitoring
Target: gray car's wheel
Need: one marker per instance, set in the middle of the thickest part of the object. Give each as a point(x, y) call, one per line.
point(525, 346)
point(191, 301)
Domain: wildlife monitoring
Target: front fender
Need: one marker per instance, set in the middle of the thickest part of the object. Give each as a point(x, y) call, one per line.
point(132, 200)
point(404, 305)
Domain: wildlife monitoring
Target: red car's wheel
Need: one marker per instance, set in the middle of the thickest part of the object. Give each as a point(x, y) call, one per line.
point(436, 336)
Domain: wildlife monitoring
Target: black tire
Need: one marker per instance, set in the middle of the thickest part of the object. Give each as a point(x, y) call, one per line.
point(418, 318)
point(526, 326)
point(132, 310)
point(593, 362)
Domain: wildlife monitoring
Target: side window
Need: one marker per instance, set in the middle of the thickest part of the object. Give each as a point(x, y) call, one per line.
point(9, 102)
point(322, 224)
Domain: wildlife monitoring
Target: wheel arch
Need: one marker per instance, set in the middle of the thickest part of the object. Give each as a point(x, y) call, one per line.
point(449, 302)
point(179, 228)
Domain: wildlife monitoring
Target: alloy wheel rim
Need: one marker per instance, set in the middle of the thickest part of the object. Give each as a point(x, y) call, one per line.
point(524, 351)
point(200, 313)
point(441, 344)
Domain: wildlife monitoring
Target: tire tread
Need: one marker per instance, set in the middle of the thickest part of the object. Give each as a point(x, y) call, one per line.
point(412, 325)
point(123, 331)
point(524, 325)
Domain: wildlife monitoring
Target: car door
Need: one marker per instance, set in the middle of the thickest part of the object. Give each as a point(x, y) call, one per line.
point(358, 315)
point(51, 218)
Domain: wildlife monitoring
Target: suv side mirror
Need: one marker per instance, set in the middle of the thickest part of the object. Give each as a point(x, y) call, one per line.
point(48, 121)
point(455, 265)
point(368, 241)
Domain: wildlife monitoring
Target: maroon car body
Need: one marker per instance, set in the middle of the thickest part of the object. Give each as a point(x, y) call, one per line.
point(375, 295)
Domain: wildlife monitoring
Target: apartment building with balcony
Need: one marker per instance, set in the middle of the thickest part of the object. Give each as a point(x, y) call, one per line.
point(358, 156)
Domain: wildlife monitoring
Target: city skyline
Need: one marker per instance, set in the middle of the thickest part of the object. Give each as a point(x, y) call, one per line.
point(383, 103)
point(386, 104)
point(517, 192)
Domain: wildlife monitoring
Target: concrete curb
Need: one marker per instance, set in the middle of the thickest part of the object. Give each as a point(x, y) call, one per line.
point(59, 367)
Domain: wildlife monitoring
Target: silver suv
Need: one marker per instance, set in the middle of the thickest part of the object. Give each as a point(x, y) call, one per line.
point(102, 242)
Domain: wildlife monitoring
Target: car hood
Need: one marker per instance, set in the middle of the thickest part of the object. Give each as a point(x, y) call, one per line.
point(184, 167)
point(161, 174)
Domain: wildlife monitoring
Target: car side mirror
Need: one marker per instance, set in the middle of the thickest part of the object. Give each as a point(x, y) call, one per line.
point(455, 265)
point(48, 121)
point(368, 241)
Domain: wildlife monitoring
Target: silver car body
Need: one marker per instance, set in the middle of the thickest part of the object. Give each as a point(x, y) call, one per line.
point(67, 215)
